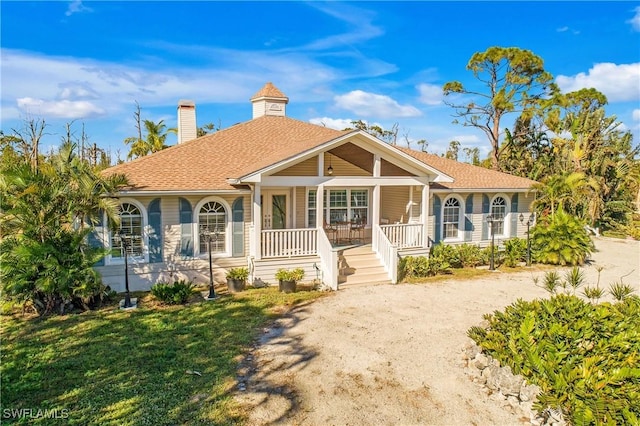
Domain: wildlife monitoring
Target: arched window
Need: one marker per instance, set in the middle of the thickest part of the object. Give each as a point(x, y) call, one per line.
point(212, 218)
point(451, 218)
point(131, 230)
point(499, 212)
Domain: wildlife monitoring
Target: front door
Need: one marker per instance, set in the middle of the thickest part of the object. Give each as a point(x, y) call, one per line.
point(275, 210)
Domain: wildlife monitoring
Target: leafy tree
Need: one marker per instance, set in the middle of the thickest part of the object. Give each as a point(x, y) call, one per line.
point(515, 81)
point(472, 155)
point(389, 136)
point(26, 141)
point(452, 151)
point(47, 214)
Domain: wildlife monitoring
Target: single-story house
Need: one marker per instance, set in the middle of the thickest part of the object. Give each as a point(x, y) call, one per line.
point(253, 193)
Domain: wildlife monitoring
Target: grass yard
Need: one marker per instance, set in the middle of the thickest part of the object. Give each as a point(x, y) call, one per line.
point(130, 368)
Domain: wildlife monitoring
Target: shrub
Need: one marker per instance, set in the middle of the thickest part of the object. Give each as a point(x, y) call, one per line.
point(515, 251)
point(174, 293)
point(560, 240)
point(421, 266)
point(446, 253)
point(470, 255)
point(53, 275)
point(583, 357)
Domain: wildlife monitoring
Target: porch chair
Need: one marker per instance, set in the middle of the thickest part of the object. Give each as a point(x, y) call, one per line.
point(331, 230)
point(357, 231)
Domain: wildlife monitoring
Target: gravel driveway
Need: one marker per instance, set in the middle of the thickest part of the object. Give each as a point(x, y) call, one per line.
point(390, 355)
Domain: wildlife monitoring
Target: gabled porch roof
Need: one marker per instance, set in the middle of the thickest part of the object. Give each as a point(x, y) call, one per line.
point(346, 147)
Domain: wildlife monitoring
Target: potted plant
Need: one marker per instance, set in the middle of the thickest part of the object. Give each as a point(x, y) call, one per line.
point(288, 279)
point(237, 279)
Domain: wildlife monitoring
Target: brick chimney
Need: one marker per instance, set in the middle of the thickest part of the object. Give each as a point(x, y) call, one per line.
point(187, 128)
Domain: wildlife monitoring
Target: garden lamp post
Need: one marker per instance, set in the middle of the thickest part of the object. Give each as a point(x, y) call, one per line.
point(491, 221)
point(210, 236)
point(529, 223)
point(125, 247)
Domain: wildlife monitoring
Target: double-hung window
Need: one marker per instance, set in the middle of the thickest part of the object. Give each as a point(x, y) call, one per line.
point(340, 205)
point(451, 218)
point(498, 211)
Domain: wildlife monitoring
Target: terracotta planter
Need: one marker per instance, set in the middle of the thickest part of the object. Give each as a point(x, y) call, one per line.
point(235, 285)
point(287, 286)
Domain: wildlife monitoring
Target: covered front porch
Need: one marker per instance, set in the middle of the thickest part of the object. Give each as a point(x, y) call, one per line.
point(384, 213)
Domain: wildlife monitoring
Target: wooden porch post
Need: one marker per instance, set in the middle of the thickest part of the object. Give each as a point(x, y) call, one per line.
point(320, 207)
point(375, 216)
point(257, 224)
point(425, 215)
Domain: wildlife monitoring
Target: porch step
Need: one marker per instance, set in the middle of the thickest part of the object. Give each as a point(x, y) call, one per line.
point(359, 265)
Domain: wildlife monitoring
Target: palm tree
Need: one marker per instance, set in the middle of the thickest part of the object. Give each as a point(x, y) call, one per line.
point(572, 191)
point(44, 227)
point(154, 141)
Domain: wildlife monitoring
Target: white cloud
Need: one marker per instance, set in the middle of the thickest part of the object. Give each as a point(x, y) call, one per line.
point(113, 87)
point(618, 82)
point(365, 104)
point(358, 21)
point(332, 123)
point(430, 94)
point(562, 29)
point(76, 6)
point(635, 21)
point(59, 109)
point(636, 114)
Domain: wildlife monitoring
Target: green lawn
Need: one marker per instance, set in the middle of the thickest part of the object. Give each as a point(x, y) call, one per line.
point(129, 368)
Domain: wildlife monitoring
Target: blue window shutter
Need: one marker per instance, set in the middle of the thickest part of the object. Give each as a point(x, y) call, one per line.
point(468, 218)
point(155, 234)
point(237, 214)
point(186, 228)
point(514, 215)
point(95, 237)
point(486, 208)
point(437, 212)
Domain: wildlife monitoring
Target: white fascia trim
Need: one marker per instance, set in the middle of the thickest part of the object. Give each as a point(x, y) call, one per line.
point(188, 192)
point(343, 181)
point(467, 190)
point(256, 177)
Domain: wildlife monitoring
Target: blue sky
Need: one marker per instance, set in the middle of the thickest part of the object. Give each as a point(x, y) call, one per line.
point(382, 62)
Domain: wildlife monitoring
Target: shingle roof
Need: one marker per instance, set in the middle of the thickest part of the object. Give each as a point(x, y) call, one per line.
point(269, 91)
point(207, 162)
point(467, 176)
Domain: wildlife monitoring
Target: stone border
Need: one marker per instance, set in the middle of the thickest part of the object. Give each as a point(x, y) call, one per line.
point(508, 390)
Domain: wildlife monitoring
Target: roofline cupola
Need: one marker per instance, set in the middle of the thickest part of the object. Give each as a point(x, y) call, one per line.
point(269, 101)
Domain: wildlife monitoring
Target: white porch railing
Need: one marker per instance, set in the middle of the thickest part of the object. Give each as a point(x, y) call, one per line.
point(386, 251)
point(288, 242)
point(404, 235)
point(328, 261)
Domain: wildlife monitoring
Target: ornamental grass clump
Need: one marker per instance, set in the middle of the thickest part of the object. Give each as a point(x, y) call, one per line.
point(176, 293)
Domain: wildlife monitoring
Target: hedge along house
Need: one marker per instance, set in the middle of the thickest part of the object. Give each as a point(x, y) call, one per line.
point(257, 187)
